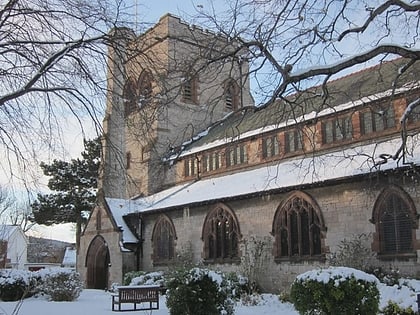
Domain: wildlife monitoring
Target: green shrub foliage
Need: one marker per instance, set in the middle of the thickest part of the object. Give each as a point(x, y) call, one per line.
point(142, 277)
point(132, 274)
point(334, 291)
point(394, 309)
point(199, 292)
point(16, 284)
point(62, 284)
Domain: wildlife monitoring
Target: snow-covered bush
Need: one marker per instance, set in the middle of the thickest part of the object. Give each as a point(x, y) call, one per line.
point(336, 290)
point(199, 292)
point(61, 284)
point(150, 278)
point(16, 284)
point(389, 276)
point(237, 284)
point(130, 275)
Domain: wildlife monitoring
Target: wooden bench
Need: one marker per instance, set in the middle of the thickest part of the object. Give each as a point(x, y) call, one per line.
point(147, 296)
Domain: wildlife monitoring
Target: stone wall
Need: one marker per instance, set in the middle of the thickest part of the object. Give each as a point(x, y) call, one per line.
point(346, 209)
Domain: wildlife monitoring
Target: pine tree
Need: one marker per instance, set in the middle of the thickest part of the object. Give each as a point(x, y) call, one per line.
point(74, 184)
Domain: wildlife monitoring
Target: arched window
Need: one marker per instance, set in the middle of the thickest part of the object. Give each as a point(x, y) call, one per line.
point(138, 93)
point(231, 95)
point(395, 219)
point(221, 235)
point(298, 228)
point(163, 239)
point(145, 88)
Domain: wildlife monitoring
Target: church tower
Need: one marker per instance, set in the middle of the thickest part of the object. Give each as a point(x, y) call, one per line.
point(165, 86)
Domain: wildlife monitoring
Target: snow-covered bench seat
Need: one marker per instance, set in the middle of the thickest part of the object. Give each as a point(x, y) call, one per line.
point(143, 298)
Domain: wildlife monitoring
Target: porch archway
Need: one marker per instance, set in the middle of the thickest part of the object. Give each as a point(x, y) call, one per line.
point(97, 263)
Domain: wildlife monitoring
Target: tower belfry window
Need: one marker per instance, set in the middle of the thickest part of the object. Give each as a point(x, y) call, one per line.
point(189, 90)
point(138, 93)
point(231, 96)
point(145, 89)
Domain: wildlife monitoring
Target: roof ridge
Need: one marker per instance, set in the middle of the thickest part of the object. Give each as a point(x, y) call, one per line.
point(362, 70)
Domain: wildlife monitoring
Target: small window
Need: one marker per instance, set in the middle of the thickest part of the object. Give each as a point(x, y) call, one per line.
point(190, 167)
point(337, 130)
point(221, 235)
point(270, 147)
point(128, 160)
point(99, 220)
point(231, 96)
point(293, 141)
point(236, 155)
point(378, 119)
point(211, 161)
point(163, 239)
point(297, 228)
point(189, 90)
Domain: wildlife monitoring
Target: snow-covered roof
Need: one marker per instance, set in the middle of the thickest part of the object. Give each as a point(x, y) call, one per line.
point(6, 231)
point(69, 258)
point(294, 172)
point(119, 208)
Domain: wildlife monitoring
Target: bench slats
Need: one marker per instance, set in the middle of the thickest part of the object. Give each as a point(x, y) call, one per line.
point(137, 295)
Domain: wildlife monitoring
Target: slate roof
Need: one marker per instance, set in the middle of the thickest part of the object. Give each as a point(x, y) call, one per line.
point(350, 88)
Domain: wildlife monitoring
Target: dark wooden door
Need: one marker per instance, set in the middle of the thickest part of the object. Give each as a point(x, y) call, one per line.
point(97, 262)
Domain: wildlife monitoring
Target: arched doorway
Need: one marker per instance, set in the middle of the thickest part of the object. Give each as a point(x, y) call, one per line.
point(97, 263)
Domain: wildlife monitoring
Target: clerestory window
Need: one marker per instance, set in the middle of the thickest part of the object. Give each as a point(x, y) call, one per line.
point(377, 119)
point(293, 141)
point(337, 130)
point(270, 146)
point(236, 154)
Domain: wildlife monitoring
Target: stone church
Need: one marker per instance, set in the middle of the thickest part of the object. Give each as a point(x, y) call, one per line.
point(194, 172)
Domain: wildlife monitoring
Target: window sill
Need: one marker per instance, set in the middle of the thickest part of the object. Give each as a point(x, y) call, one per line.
point(299, 259)
point(397, 256)
point(235, 260)
point(166, 262)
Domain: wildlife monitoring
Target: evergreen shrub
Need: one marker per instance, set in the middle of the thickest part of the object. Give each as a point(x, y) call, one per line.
point(130, 275)
point(333, 291)
point(61, 284)
point(16, 284)
point(394, 309)
point(199, 292)
point(142, 277)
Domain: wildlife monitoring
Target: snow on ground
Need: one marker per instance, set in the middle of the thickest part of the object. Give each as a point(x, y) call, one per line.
point(99, 302)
